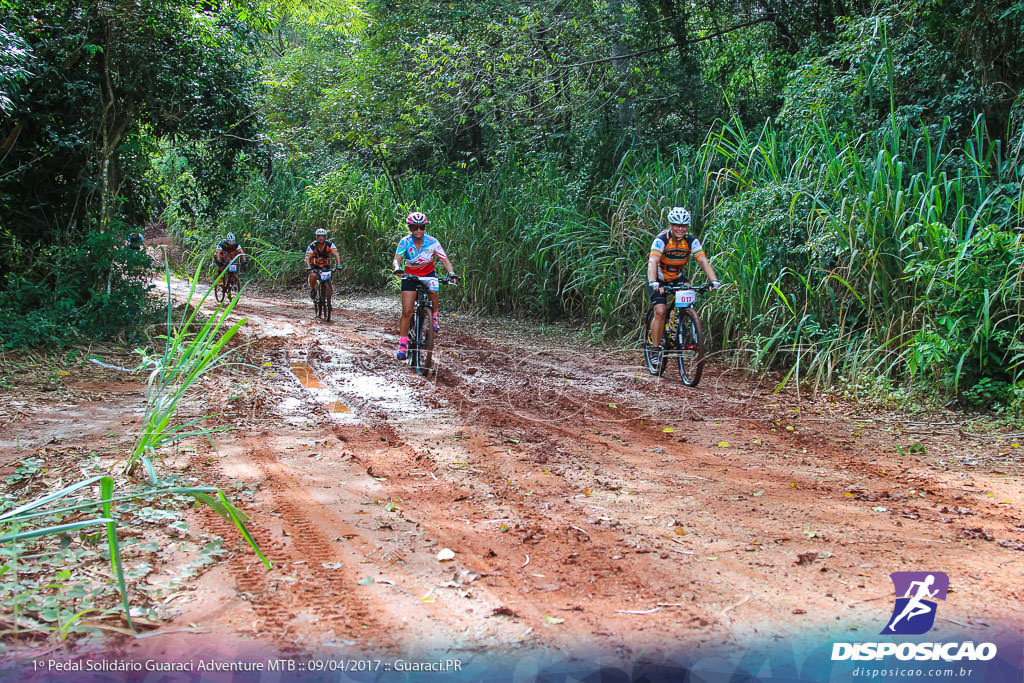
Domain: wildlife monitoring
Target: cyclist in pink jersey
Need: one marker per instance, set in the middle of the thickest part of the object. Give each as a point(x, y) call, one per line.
point(419, 250)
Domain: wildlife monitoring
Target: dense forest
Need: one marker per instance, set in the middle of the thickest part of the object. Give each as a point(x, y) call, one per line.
point(854, 169)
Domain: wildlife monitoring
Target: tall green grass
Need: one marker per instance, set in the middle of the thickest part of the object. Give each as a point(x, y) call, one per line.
point(192, 348)
point(894, 252)
point(905, 251)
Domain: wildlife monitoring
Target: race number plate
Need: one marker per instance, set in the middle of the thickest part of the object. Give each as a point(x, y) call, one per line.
point(431, 283)
point(233, 267)
point(685, 297)
point(325, 275)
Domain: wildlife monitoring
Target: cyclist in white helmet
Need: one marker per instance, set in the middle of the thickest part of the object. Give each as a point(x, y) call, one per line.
point(318, 255)
point(670, 252)
point(228, 249)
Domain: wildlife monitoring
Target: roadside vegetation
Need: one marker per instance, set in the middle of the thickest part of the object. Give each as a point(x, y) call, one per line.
point(74, 559)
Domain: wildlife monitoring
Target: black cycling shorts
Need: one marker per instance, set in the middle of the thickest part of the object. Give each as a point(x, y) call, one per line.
point(409, 285)
point(655, 297)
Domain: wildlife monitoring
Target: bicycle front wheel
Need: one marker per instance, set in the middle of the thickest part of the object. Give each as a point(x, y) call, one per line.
point(690, 339)
point(425, 339)
point(328, 290)
point(319, 303)
point(655, 362)
point(219, 289)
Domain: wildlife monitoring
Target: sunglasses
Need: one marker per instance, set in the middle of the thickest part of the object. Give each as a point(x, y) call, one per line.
point(416, 228)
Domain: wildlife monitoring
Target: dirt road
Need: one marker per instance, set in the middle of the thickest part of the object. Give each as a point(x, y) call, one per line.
point(589, 507)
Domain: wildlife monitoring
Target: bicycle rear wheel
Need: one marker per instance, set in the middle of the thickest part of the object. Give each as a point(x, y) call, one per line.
point(425, 342)
point(655, 362)
point(690, 340)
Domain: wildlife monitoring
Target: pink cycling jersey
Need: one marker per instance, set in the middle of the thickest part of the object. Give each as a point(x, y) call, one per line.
point(420, 261)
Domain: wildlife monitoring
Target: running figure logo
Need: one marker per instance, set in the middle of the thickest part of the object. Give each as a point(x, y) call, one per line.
point(914, 613)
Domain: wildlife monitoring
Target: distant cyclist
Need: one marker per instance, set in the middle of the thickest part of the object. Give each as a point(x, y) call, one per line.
point(670, 252)
point(136, 241)
point(419, 250)
point(227, 250)
point(318, 255)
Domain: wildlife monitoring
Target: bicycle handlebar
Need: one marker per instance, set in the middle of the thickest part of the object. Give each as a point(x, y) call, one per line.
point(447, 279)
point(702, 289)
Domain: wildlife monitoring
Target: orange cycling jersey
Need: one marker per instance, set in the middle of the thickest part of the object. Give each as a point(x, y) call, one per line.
point(321, 254)
point(674, 254)
point(227, 254)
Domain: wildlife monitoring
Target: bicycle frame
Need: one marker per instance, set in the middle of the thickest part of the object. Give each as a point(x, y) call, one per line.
point(420, 351)
point(682, 337)
point(672, 318)
point(321, 304)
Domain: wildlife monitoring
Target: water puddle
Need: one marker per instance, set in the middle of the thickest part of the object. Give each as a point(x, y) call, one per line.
point(306, 376)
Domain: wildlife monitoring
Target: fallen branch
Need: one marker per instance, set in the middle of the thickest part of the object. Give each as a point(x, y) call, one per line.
point(880, 597)
point(525, 563)
point(639, 611)
point(190, 629)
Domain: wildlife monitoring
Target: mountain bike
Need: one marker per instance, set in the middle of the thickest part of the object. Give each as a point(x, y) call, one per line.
point(228, 285)
point(683, 337)
point(323, 292)
point(421, 331)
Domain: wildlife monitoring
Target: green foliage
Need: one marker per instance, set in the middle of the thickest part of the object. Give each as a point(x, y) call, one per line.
point(49, 518)
point(64, 298)
point(86, 90)
point(854, 168)
point(39, 525)
point(14, 60)
point(188, 355)
point(910, 265)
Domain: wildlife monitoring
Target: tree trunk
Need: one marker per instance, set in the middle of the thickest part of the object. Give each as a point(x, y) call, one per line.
point(621, 65)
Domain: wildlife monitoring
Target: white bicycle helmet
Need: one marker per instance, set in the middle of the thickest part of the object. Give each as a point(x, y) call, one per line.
point(679, 216)
point(230, 239)
point(321, 231)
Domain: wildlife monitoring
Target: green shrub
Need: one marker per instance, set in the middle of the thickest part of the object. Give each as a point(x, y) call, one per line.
point(92, 289)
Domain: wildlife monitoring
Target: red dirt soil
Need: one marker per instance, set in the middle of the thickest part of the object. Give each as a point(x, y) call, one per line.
point(589, 505)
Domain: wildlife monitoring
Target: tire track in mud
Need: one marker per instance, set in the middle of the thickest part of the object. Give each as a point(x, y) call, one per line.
point(251, 578)
point(554, 412)
point(328, 591)
point(299, 581)
point(594, 555)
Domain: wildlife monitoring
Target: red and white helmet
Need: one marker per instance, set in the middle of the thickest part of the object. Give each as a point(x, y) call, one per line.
point(416, 218)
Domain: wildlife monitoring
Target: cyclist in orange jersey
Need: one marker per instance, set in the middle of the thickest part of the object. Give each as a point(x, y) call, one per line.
point(671, 251)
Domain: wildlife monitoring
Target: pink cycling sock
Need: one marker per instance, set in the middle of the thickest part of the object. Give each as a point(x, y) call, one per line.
point(403, 341)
